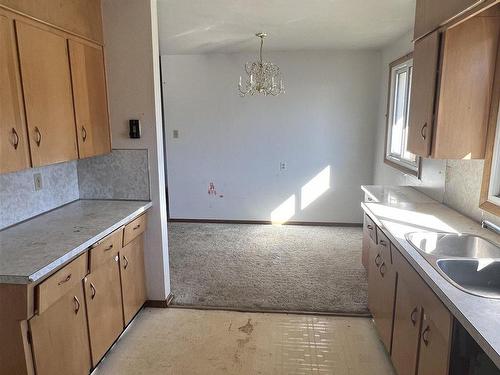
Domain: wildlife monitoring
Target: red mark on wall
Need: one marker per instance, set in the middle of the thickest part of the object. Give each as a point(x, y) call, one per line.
point(211, 189)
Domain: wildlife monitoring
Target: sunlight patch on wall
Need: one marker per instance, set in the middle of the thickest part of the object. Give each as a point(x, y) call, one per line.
point(284, 211)
point(316, 187)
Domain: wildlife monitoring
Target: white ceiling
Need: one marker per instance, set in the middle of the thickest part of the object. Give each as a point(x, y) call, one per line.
point(210, 26)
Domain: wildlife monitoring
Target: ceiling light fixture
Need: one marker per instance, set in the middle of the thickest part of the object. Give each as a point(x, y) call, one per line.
point(263, 77)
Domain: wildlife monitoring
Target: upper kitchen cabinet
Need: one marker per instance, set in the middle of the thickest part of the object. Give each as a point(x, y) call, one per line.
point(14, 154)
point(451, 89)
point(430, 14)
point(79, 17)
point(89, 94)
point(48, 97)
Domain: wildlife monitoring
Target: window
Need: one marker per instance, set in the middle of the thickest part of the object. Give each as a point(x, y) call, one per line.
point(396, 152)
point(490, 191)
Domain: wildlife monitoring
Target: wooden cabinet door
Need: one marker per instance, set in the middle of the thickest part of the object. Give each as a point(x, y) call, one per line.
point(381, 289)
point(60, 337)
point(48, 98)
point(89, 95)
point(435, 336)
point(104, 307)
point(133, 277)
point(374, 288)
point(407, 322)
point(369, 239)
point(435, 346)
point(429, 14)
point(465, 86)
point(423, 92)
point(385, 296)
point(14, 154)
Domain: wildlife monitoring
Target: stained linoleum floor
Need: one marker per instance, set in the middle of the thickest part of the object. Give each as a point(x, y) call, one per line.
point(191, 342)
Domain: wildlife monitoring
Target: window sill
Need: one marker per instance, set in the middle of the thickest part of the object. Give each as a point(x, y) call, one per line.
point(405, 170)
point(490, 207)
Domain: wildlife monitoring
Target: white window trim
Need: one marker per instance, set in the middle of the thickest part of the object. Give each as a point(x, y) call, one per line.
point(394, 70)
point(494, 188)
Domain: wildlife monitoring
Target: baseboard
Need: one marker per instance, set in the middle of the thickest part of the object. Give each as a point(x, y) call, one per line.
point(266, 222)
point(161, 304)
point(272, 311)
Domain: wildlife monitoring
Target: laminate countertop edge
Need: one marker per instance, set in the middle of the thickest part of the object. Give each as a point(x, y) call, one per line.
point(479, 316)
point(53, 266)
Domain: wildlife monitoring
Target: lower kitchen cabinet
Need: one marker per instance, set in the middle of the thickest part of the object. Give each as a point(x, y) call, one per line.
point(66, 322)
point(435, 336)
point(59, 336)
point(369, 239)
point(132, 277)
point(381, 288)
point(422, 326)
point(407, 323)
point(104, 307)
point(411, 321)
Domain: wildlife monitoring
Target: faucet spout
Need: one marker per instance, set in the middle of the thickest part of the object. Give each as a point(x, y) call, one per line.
point(489, 225)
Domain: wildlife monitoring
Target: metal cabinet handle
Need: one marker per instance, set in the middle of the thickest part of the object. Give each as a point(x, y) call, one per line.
point(38, 136)
point(136, 227)
point(369, 227)
point(425, 335)
point(92, 291)
point(15, 139)
point(125, 265)
point(413, 316)
point(109, 247)
point(383, 243)
point(377, 258)
point(382, 273)
point(84, 133)
point(68, 278)
point(423, 131)
point(77, 304)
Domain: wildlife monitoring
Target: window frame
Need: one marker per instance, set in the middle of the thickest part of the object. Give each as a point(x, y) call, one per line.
point(398, 163)
point(487, 201)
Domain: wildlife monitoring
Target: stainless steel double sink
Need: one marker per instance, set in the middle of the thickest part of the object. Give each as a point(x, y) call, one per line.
point(471, 263)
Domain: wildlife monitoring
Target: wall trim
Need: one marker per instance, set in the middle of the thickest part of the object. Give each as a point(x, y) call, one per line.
point(161, 304)
point(266, 222)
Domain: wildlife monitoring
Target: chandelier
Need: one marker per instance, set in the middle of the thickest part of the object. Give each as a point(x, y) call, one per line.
point(263, 77)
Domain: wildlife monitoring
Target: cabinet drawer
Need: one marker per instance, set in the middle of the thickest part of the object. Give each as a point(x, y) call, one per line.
point(370, 228)
point(134, 229)
point(61, 283)
point(105, 249)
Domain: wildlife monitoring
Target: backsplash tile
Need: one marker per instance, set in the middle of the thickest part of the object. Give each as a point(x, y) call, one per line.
point(123, 174)
point(463, 186)
point(19, 201)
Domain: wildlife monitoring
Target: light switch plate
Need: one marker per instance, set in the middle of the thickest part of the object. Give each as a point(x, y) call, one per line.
point(37, 179)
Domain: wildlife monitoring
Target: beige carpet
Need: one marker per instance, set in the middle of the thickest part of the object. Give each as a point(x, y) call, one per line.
point(266, 267)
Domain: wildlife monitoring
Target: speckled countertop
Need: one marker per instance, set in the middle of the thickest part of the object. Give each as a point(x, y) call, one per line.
point(404, 212)
point(32, 250)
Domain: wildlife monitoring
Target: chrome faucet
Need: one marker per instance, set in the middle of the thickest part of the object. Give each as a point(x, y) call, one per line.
point(489, 225)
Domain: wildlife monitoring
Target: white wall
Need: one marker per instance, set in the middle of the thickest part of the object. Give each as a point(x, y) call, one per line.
point(456, 183)
point(326, 119)
point(132, 66)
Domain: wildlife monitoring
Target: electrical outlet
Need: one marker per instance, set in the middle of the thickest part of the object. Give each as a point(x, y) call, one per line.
point(176, 134)
point(37, 177)
point(283, 166)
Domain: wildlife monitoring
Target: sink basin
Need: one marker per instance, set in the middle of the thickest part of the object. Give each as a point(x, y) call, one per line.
point(469, 262)
point(475, 276)
point(454, 245)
